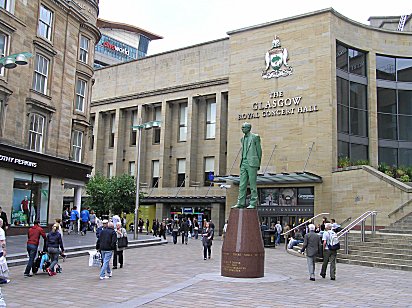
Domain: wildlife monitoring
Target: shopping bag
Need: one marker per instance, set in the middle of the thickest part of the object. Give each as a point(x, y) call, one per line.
point(4, 269)
point(95, 258)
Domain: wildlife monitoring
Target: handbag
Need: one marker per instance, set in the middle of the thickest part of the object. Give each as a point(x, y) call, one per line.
point(122, 242)
point(95, 258)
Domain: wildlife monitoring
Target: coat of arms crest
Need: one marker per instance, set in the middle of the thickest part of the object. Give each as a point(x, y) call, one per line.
point(276, 60)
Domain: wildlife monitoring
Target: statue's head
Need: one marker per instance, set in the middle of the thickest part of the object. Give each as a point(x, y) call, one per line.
point(246, 127)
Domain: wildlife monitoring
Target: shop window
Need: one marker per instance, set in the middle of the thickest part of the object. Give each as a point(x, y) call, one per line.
point(182, 122)
point(133, 128)
point(181, 172)
point(30, 199)
point(287, 197)
point(84, 49)
point(41, 74)
point(80, 94)
point(157, 130)
point(36, 132)
point(45, 23)
point(155, 173)
point(209, 170)
point(211, 119)
point(77, 145)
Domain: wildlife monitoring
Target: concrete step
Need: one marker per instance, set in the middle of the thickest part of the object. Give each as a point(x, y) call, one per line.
point(399, 231)
point(78, 251)
point(374, 264)
point(402, 250)
point(401, 255)
point(378, 259)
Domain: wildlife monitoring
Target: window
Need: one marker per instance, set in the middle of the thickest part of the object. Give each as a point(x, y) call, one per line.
point(84, 49)
point(77, 146)
point(306, 196)
point(211, 120)
point(109, 170)
point(112, 129)
point(209, 170)
point(45, 23)
point(393, 69)
point(155, 173)
point(181, 172)
point(182, 122)
point(157, 130)
point(41, 73)
point(133, 131)
point(80, 94)
point(36, 132)
point(91, 133)
point(3, 47)
point(6, 4)
point(132, 168)
point(3, 4)
point(350, 60)
point(30, 191)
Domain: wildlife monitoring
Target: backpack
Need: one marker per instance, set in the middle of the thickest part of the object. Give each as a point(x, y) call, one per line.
point(333, 243)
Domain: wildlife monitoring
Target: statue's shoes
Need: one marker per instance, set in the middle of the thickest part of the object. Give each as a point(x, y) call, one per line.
point(251, 207)
point(237, 206)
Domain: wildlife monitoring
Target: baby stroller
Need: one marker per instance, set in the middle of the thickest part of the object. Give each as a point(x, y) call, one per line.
point(43, 262)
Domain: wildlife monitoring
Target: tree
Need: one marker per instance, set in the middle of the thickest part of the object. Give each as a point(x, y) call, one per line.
point(97, 190)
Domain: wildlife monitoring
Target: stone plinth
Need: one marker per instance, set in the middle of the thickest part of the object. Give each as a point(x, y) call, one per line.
point(243, 254)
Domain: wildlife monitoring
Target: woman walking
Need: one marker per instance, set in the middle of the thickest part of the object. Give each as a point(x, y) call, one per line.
point(120, 232)
point(207, 241)
point(54, 244)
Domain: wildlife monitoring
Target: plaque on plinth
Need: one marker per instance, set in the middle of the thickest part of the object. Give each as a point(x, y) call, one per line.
point(243, 254)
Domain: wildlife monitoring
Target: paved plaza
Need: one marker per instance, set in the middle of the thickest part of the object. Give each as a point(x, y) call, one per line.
point(177, 276)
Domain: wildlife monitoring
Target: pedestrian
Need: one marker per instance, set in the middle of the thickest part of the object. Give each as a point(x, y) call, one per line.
point(85, 217)
point(140, 224)
point(286, 234)
point(93, 221)
point(162, 230)
point(175, 230)
point(3, 217)
point(3, 251)
point(184, 229)
point(224, 230)
point(278, 228)
point(101, 226)
point(54, 245)
point(311, 244)
point(196, 228)
point(329, 256)
point(33, 236)
point(207, 241)
point(106, 243)
point(115, 219)
point(74, 216)
point(324, 222)
point(118, 254)
point(147, 226)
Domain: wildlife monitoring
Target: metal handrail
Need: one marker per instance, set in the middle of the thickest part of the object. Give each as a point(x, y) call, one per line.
point(360, 220)
point(303, 223)
point(399, 208)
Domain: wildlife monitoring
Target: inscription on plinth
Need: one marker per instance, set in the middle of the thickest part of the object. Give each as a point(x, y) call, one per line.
point(243, 254)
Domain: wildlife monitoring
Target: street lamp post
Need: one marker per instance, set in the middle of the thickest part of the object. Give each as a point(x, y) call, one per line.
point(147, 125)
point(11, 61)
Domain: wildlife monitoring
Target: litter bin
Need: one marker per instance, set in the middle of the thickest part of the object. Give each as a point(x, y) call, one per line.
point(269, 238)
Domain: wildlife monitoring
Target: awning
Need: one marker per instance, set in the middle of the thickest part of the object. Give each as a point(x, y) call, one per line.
point(276, 178)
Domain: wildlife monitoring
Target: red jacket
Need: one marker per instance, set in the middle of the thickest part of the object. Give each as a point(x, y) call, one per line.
point(34, 235)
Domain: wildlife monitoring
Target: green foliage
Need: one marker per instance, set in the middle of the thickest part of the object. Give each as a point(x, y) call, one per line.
point(361, 162)
point(402, 173)
point(116, 195)
point(405, 178)
point(344, 162)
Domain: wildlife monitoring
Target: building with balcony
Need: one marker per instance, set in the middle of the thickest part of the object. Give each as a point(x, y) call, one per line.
point(121, 43)
point(44, 106)
point(317, 88)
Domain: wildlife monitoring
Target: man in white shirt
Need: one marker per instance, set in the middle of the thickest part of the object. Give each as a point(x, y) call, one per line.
point(278, 228)
point(3, 248)
point(329, 256)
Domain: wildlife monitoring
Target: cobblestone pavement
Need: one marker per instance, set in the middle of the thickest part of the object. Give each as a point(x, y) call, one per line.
point(177, 276)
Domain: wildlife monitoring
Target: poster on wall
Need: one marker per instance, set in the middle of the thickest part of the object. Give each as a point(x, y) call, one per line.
point(287, 197)
point(269, 197)
point(20, 214)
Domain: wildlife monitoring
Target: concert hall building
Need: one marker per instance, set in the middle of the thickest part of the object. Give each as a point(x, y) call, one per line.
point(319, 88)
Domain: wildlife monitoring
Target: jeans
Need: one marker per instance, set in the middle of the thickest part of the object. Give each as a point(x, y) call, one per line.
point(196, 234)
point(174, 234)
point(277, 239)
point(54, 257)
point(85, 226)
point(207, 250)
point(106, 256)
point(311, 266)
point(184, 237)
point(32, 251)
point(329, 256)
point(72, 226)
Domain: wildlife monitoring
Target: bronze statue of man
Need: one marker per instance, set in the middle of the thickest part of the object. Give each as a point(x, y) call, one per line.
point(249, 166)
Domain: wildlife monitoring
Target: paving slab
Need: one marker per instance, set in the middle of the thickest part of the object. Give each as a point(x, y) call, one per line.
point(177, 276)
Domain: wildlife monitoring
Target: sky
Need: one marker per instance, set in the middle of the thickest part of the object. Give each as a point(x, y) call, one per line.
point(183, 23)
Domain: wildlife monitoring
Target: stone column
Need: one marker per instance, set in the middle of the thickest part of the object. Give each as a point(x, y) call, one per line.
point(78, 202)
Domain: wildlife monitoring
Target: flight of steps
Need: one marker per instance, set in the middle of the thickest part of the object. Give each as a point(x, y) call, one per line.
point(391, 251)
point(21, 259)
point(402, 226)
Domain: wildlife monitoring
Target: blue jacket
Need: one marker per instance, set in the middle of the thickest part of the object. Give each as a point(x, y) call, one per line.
point(74, 215)
point(85, 215)
point(54, 239)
